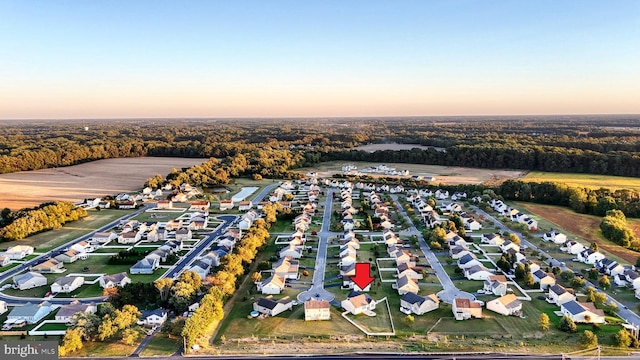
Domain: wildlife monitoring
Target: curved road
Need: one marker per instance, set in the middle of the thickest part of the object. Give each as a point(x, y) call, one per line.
point(450, 291)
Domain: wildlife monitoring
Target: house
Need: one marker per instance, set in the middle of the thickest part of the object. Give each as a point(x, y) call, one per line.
point(153, 318)
point(66, 312)
point(18, 252)
point(357, 303)
point(572, 247)
point(245, 205)
point(29, 280)
point(70, 256)
point(291, 251)
point(119, 280)
point(127, 204)
point(441, 194)
point(4, 261)
point(287, 268)
point(555, 237)
point(532, 224)
point(67, 284)
point(403, 257)
point(477, 272)
point(198, 223)
point(492, 239)
point(582, 312)
point(464, 309)
point(50, 266)
point(29, 313)
point(509, 245)
point(506, 305)
point(199, 206)
point(317, 310)
point(472, 225)
point(3, 307)
point(145, 266)
point(183, 234)
point(544, 279)
point(273, 285)
point(495, 284)
point(82, 246)
point(200, 267)
point(226, 205)
point(129, 237)
point(559, 295)
point(270, 307)
point(406, 284)
point(347, 259)
point(590, 256)
point(346, 250)
point(104, 237)
point(456, 252)
point(157, 235)
point(419, 304)
point(160, 253)
point(628, 277)
point(406, 270)
point(609, 267)
point(164, 204)
point(467, 261)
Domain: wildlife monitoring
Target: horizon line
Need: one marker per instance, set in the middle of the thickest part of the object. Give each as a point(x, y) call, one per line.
point(314, 117)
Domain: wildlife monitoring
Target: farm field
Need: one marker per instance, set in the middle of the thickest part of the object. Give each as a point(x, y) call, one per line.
point(586, 180)
point(443, 174)
point(584, 226)
point(77, 182)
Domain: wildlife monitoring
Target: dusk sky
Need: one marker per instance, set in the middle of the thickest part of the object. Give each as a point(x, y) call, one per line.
point(112, 59)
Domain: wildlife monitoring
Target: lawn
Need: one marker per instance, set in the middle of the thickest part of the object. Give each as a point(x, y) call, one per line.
point(162, 345)
point(53, 238)
point(113, 348)
point(381, 323)
point(53, 327)
point(585, 180)
point(586, 227)
point(485, 326)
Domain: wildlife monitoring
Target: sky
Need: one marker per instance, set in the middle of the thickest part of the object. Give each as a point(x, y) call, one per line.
point(330, 58)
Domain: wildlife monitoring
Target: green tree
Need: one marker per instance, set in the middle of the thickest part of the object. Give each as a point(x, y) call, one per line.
point(544, 322)
point(593, 274)
point(589, 339)
point(520, 271)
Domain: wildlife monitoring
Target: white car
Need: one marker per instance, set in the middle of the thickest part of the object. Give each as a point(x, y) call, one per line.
point(405, 310)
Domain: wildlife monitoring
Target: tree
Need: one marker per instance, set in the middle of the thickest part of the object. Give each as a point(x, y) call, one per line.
point(591, 293)
point(528, 280)
point(129, 336)
point(578, 282)
point(110, 293)
point(622, 338)
point(87, 324)
point(256, 277)
point(126, 317)
point(107, 329)
point(567, 324)
point(164, 286)
point(594, 246)
point(410, 319)
point(638, 262)
point(599, 299)
point(514, 238)
point(520, 271)
point(72, 340)
point(604, 282)
point(593, 274)
point(503, 264)
point(589, 339)
point(544, 322)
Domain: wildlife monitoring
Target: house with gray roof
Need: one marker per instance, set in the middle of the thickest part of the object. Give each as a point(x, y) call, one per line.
point(145, 266)
point(67, 284)
point(120, 280)
point(419, 304)
point(30, 313)
point(270, 307)
point(29, 280)
point(66, 312)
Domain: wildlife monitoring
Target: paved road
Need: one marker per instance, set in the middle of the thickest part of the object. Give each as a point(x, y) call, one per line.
point(15, 300)
point(623, 311)
point(264, 192)
point(317, 290)
point(201, 246)
point(450, 291)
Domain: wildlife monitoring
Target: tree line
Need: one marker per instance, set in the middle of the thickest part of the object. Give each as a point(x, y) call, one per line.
point(17, 225)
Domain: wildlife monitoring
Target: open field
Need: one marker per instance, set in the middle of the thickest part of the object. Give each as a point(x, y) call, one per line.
point(586, 180)
point(443, 174)
point(93, 179)
point(586, 227)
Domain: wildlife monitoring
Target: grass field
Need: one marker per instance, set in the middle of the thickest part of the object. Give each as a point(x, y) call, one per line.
point(162, 345)
point(51, 239)
point(586, 227)
point(585, 180)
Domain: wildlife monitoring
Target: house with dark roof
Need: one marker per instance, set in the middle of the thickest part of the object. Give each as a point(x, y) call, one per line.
point(582, 312)
point(66, 312)
point(29, 280)
point(544, 279)
point(419, 304)
point(153, 318)
point(145, 266)
point(496, 284)
point(30, 313)
point(559, 295)
point(406, 284)
point(271, 307)
point(120, 280)
point(67, 284)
